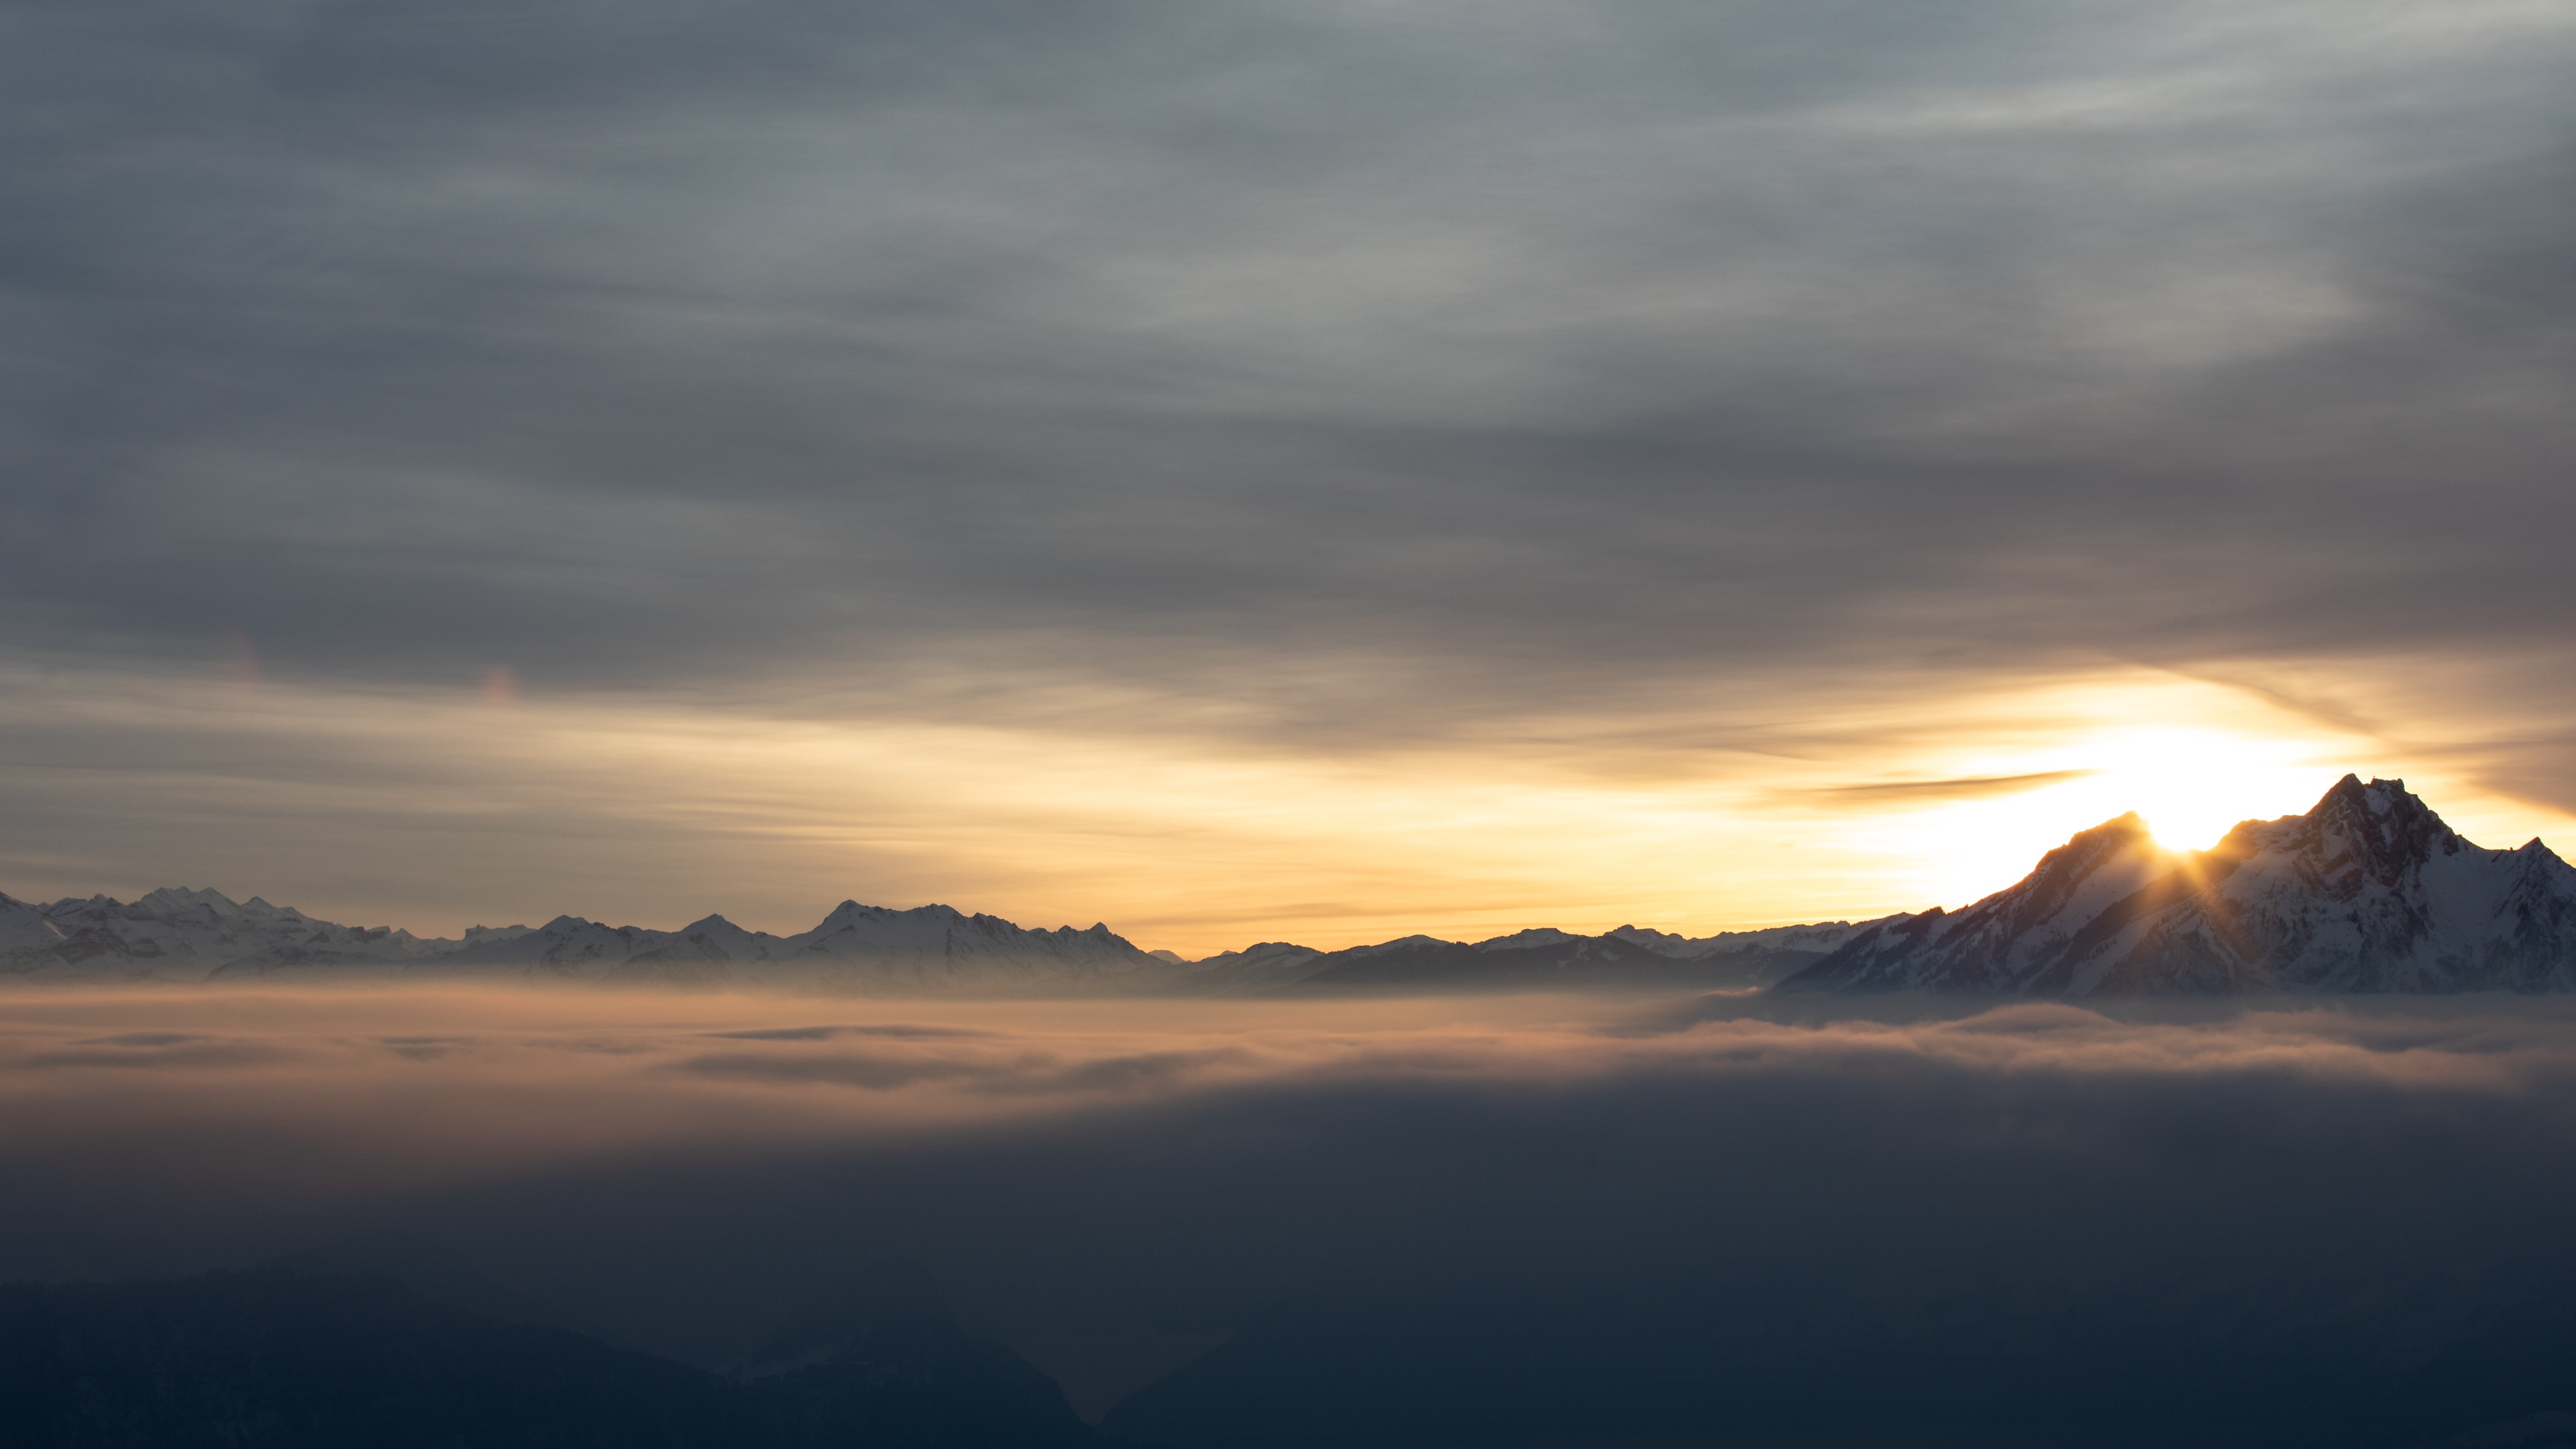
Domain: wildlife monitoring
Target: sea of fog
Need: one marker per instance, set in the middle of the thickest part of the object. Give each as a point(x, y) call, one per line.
point(1462, 1219)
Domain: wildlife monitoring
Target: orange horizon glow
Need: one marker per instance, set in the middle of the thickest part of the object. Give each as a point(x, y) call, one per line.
point(438, 812)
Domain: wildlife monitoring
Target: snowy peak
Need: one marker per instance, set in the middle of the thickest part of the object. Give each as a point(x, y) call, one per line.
point(177, 934)
point(2087, 872)
point(2376, 832)
point(1522, 940)
point(1817, 937)
point(2367, 891)
point(180, 934)
point(24, 927)
point(942, 950)
point(1541, 958)
point(567, 946)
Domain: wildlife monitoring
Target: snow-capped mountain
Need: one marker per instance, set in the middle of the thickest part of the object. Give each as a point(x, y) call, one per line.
point(183, 935)
point(1262, 967)
point(1819, 937)
point(2367, 892)
point(565, 946)
point(938, 948)
point(1542, 958)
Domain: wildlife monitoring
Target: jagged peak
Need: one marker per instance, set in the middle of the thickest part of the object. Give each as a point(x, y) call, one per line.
point(2120, 832)
point(2537, 856)
point(2378, 798)
point(181, 895)
point(1534, 936)
point(847, 909)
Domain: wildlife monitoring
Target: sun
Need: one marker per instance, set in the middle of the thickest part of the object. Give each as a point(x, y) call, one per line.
point(2194, 785)
point(2190, 783)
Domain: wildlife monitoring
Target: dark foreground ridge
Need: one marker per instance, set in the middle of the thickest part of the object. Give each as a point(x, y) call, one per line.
point(2367, 892)
point(284, 1356)
point(281, 1357)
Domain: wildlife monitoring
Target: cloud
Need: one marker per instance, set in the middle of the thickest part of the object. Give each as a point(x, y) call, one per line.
point(1702, 1169)
point(1646, 393)
point(1458, 1218)
point(1961, 789)
point(826, 1033)
point(940, 347)
point(843, 1069)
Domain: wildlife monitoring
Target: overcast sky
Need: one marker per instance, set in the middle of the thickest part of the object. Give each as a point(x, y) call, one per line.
point(1313, 470)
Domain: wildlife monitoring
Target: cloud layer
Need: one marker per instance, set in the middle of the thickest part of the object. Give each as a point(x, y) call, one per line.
point(1288, 1185)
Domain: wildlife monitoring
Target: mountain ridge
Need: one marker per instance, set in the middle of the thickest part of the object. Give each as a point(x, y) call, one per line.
point(178, 935)
point(2369, 891)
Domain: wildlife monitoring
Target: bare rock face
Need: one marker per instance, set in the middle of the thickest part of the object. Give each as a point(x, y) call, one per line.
point(2367, 892)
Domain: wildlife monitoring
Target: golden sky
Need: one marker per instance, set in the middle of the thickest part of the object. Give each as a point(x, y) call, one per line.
point(1321, 472)
point(434, 811)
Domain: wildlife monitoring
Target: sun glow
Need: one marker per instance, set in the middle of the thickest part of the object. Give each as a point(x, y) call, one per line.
point(2193, 786)
point(2190, 783)
point(1792, 808)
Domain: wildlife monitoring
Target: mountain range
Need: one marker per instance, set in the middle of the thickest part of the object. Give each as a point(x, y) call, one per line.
point(2367, 892)
point(179, 935)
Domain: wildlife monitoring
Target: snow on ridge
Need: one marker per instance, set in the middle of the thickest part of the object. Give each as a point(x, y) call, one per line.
point(2369, 891)
point(179, 934)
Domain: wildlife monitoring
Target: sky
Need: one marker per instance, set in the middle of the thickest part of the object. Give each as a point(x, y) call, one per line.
point(1264, 471)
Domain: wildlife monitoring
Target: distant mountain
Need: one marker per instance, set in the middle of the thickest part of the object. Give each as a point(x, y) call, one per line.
point(939, 949)
point(876, 1360)
point(300, 1356)
point(1264, 966)
point(2367, 892)
point(175, 934)
point(1630, 957)
point(201, 935)
point(932, 950)
point(184, 935)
